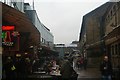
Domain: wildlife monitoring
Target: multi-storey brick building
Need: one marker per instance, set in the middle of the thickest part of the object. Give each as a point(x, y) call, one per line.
point(112, 35)
point(91, 32)
point(100, 33)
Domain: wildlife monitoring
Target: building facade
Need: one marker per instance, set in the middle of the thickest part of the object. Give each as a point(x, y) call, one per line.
point(60, 48)
point(92, 32)
point(0, 43)
point(19, 4)
point(65, 50)
point(18, 32)
point(90, 35)
point(100, 34)
point(47, 39)
point(112, 35)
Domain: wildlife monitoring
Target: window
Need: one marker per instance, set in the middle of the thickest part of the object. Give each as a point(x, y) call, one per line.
point(116, 49)
point(108, 18)
point(111, 14)
point(119, 48)
point(118, 4)
point(112, 50)
point(114, 9)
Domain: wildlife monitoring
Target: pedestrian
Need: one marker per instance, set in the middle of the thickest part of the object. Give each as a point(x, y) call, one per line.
point(67, 71)
point(21, 68)
point(80, 63)
point(85, 63)
point(18, 67)
point(106, 69)
point(10, 69)
point(28, 66)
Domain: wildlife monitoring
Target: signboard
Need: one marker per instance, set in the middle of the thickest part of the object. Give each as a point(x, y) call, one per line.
point(10, 38)
point(8, 28)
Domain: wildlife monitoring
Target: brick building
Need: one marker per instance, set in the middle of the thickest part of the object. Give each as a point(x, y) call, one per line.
point(112, 35)
point(90, 35)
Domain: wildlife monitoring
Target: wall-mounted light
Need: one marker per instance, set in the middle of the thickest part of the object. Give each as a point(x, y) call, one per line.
point(26, 53)
point(31, 47)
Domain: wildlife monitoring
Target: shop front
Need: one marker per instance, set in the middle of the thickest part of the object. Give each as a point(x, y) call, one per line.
point(18, 33)
point(112, 41)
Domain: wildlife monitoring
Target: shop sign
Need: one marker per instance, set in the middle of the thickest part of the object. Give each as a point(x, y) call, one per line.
point(8, 28)
point(15, 33)
point(6, 39)
point(9, 38)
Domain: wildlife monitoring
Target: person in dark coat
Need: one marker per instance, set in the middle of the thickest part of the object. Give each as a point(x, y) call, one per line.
point(106, 69)
point(67, 71)
point(10, 69)
point(85, 63)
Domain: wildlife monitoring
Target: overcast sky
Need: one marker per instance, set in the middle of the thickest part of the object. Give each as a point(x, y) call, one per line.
point(64, 17)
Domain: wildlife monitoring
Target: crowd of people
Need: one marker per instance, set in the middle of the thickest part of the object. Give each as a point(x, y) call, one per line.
point(16, 68)
point(52, 67)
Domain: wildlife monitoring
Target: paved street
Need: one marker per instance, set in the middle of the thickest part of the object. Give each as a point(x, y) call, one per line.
point(89, 74)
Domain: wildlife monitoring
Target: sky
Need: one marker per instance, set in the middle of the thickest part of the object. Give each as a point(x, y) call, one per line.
point(64, 17)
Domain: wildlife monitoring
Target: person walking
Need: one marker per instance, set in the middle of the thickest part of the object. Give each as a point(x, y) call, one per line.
point(106, 69)
point(67, 71)
point(80, 63)
point(20, 68)
point(85, 63)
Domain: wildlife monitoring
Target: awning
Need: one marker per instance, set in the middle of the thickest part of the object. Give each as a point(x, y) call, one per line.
point(21, 22)
point(94, 45)
point(17, 18)
point(113, 36)
point(114, 33)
